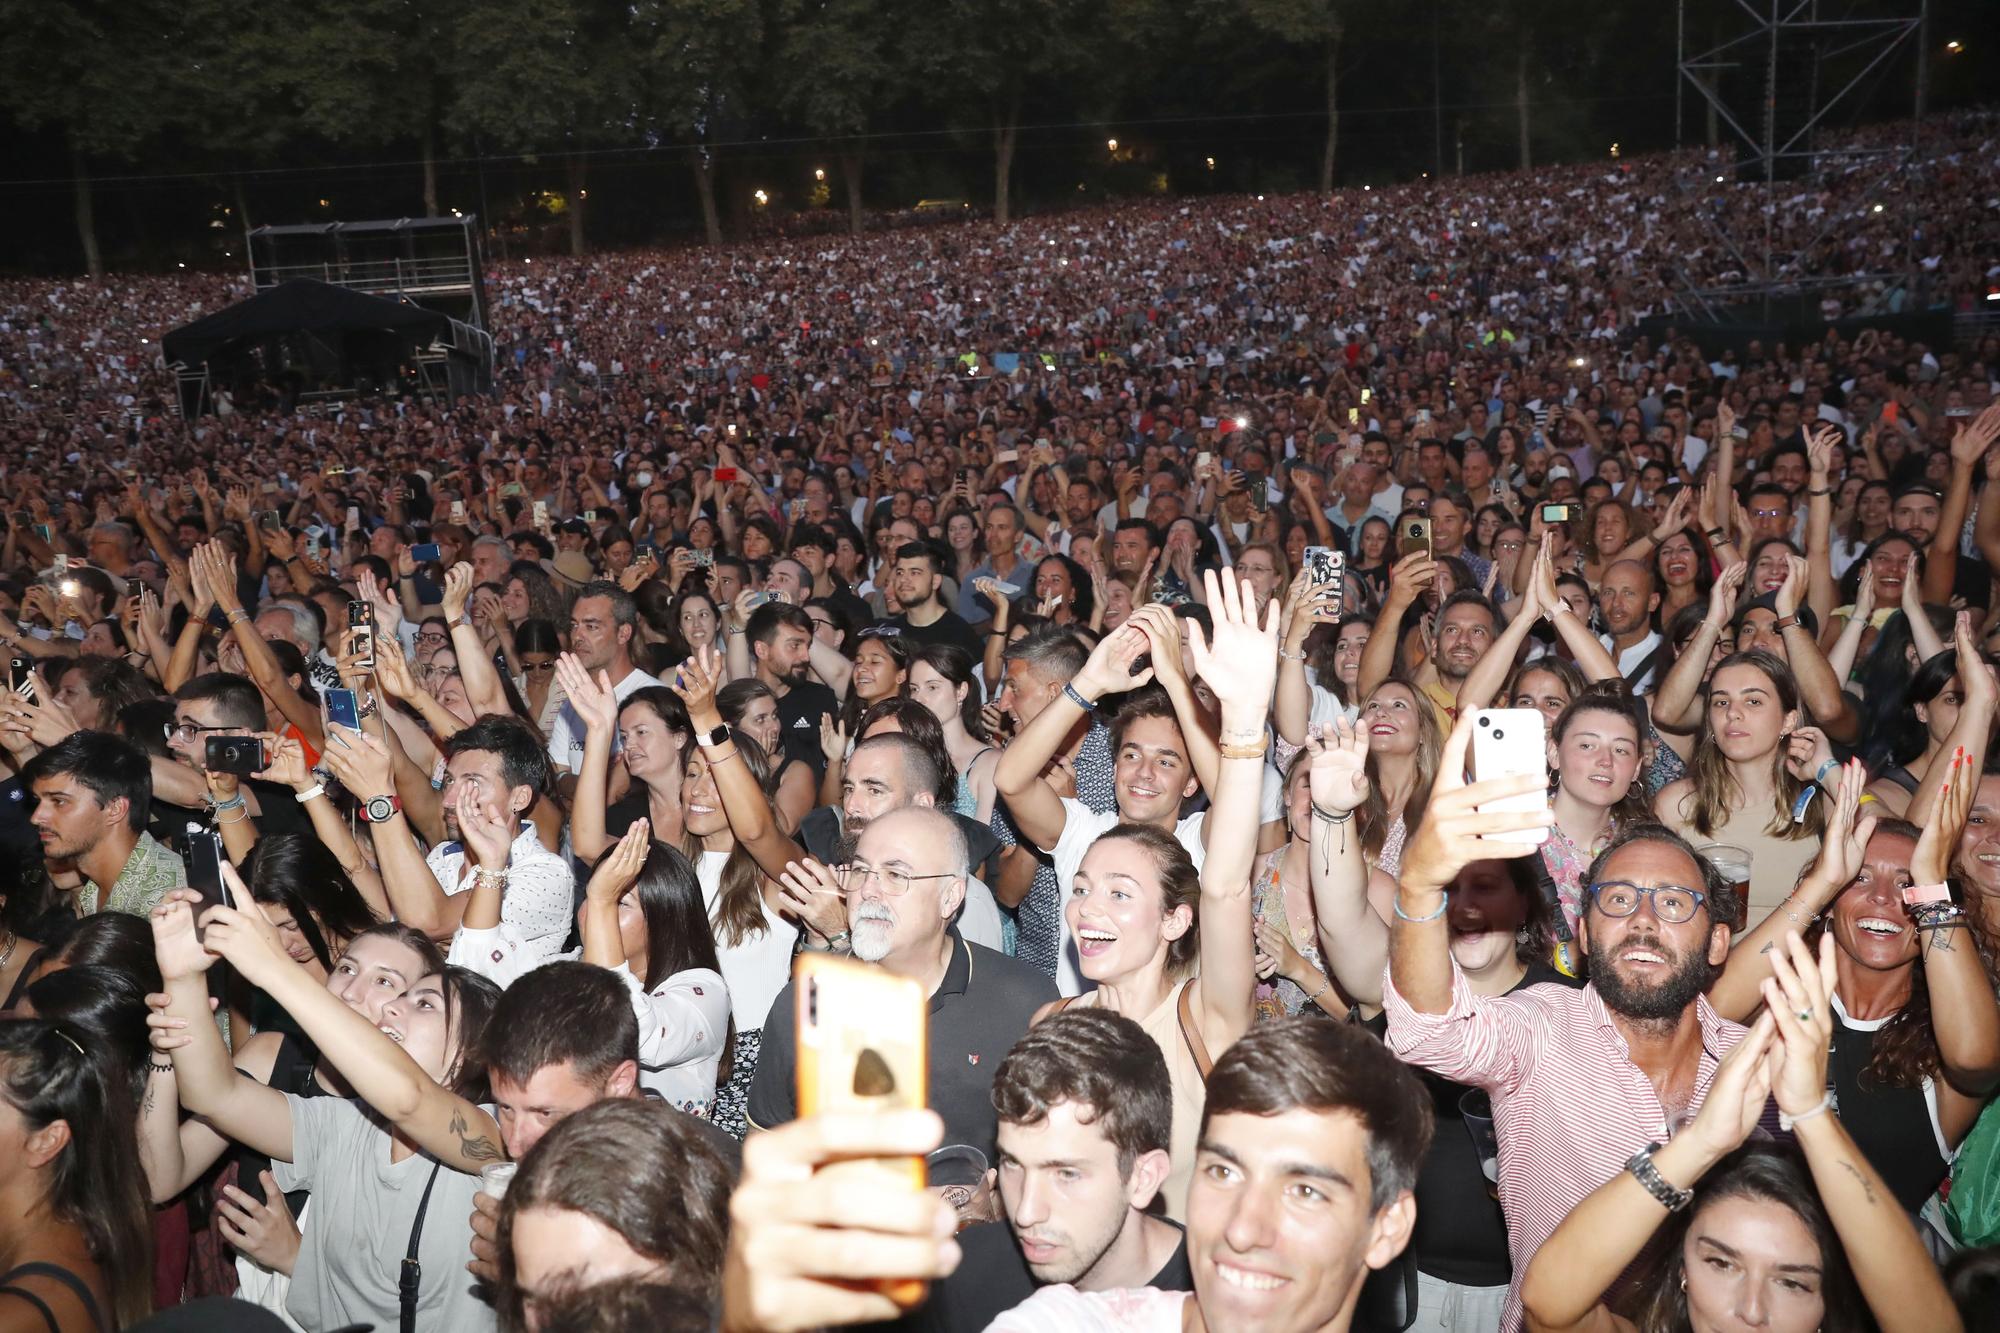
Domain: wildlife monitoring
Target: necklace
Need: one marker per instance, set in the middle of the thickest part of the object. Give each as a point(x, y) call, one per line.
point(7, 954)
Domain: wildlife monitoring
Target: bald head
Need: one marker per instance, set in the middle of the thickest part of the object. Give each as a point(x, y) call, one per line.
point(1627, 598)
point(922, 850)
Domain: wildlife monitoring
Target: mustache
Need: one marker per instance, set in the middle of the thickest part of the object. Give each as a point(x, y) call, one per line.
point(874, 912)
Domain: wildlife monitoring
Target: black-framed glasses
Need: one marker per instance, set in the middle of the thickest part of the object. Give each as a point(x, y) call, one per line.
point(433, 636)
point(1672, 903)
point(895, 881)
point(187, 731)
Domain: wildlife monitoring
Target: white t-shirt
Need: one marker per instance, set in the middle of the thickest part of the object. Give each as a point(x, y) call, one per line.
point(536, 907)
point(567, 731)
point(363, 1209)
point(1081, 827)
point(757, 968)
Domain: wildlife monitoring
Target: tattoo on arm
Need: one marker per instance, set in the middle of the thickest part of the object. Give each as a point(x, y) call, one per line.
point(474, 1147)
point(1860, 1179)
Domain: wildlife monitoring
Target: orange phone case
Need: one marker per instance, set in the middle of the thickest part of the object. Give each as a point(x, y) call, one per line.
point(862, 1046)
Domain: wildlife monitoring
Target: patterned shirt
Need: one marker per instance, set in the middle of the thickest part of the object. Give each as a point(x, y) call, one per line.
point(150, 871)
point(1038, 919)
point(536, 908)
point(1569, 1106)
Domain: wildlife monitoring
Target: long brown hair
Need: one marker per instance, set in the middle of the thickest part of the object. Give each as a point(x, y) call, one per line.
point(738, 914)
point(1613, 697)
point(1716, 791)
point(1430, 756)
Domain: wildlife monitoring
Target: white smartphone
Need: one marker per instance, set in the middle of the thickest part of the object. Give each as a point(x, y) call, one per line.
point(1507, 742)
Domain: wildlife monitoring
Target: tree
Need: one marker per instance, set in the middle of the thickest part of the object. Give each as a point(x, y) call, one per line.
point(693, 64)
point(1313, 25)
point(839, 68)
point(95, 73)
point(548, 76)
point(1003, 59)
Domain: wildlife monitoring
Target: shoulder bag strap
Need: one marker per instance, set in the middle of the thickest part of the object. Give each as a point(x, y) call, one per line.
point(412, 1274)
point(1191, 1031)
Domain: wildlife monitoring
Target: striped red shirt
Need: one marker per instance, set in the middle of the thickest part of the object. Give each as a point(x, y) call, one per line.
point(1569, 1106)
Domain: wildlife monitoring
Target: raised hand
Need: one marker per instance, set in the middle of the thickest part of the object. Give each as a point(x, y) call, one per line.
point(1162, 629)
point(1806, 753)
point(487, 840)
point(1787, 599)
point(362, 763)
point(1939, 842)
point(1411, 576)
point(264, 1231)
point(1722, 596)
point(176, 944)
point(1844, 845)
point(1109, 669)
point(1337, 771)
point(594, 700)
point(1240, 660)
point(1798, 998)
point(1736, 1098)
point(287, 763)
point(1971, 441)
point(243, 938)
point(1454, 832)
point(457, 588)
point(811, 892)
point(619, 870)
point(392, 673)
point(1864, 593)
point(832, 738)
point(696, 682)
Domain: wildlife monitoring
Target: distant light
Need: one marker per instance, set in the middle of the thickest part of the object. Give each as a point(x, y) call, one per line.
point(1578, 362)
point(1366, 188)
point(324, 204)
point(819, 173)
point(1427, 175)
point(1718, 180)
point(1614, 148)
point(1211, 164)
point(455, 213)
point(527, 261)
point(143, 340)
point(1064, 262)
point(1112, 144)
point(1243, 423)
point(583, 194)
point(761, 198)
point(1260, 198)
point(1993, 294)
point(1878, 208)
point(1954, 47)
point(181, 265)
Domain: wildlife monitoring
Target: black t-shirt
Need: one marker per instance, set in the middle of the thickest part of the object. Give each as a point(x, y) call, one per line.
point(950, 628)
point(799, 714)
point(981, 1008)
point(993, 1278)
point(1461, 1235)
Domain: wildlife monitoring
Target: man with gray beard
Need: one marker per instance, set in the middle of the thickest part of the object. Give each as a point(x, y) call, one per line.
point(903, 886)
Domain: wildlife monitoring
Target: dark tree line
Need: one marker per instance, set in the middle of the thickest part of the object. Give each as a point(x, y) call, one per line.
point(229, 90)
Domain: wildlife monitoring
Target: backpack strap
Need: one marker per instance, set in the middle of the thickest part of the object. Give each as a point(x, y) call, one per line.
point(1191, 1031)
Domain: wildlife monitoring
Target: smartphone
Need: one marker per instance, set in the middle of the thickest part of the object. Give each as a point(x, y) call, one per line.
point(458, 512)
point(862, 1047)
point(1007, 456)
point(705, 558)
point(646, 551)
point(726, 476)
point(1423, 416)
point(361, 619)
point(1416, 536)
point(590, 516)
point(766, 597)
point(269, 520)
point(312, 546)
point(426, 552)
point(1891, 410)
point(204, 868)
point(1202, 460)
point(1322, 564)
point(513, 488)
point(796, 510)
point(1507, 742)
point(61, 564)
point(1557, 513)
point(45, 532)
point(342, 710)
point(353, 518)
point(1353, 416)
point(241, 755)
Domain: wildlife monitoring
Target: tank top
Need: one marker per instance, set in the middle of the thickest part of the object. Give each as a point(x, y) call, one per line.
point(1189, 1083)
point(56, 1273)
point(1895, 1128)
point(1775, 863)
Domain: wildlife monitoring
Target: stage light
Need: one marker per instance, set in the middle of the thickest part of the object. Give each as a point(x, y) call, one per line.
point(819, 173)
point(1211, 164)
point(181, 265)
point(761, 198)
point(1260, 198)
point(1112, 144)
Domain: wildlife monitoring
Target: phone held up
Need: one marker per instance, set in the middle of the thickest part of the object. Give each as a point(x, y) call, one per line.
point(1511, 742)
point(361, 619)
point(242, 755)
point(342, 710)
point(204, 868)
point(862, 1048)
point(1326, 567)
point(1415, 535)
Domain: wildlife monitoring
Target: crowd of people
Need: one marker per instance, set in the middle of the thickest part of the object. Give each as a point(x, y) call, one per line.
point(416, 811)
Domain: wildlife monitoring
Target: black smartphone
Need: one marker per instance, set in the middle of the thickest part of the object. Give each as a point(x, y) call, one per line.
point(361, 619)
point(241, 755)
point(204, 868)
point(1557, 513)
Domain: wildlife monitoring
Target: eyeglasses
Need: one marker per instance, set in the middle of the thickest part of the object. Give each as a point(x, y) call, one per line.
point(432, 636)
point(854, 877)
point(1767, 513)
point(187, 731)
point(1671, 903)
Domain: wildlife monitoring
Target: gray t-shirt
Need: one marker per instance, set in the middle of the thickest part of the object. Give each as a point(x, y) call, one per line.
point(363, 1208)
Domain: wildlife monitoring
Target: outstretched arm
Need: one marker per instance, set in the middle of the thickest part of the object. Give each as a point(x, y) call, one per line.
point(1240, 666)
point(1038, 813)
point(1677, 704)
point(1413, 574)
point(749, 811)
point(1353, 938)
point(439, 1121)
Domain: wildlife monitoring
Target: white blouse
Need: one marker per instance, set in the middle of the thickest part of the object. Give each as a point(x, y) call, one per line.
point(757, 968)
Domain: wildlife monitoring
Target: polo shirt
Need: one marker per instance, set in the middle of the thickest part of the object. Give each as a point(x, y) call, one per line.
point(981, 1008)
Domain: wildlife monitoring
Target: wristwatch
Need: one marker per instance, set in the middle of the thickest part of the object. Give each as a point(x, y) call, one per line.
point(710, 739)
point(381, 809)
point(1642, 1168)
point(1786, 622)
